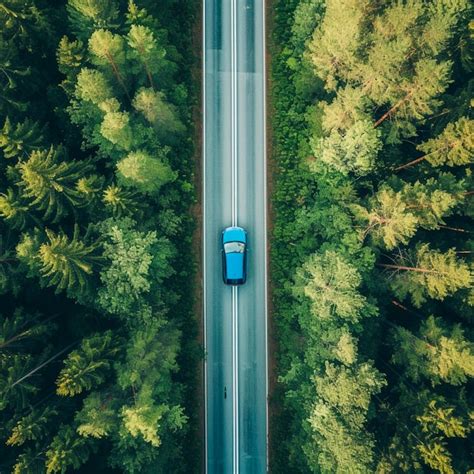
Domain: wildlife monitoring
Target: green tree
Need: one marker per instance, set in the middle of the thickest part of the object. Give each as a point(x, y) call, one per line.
point(93, 86)
point(438, 353)
point(108, 50)
point(20, 139)
point(144, 172)
point(86, 16)
point(453, 147)
point(136, 259)
point(331, 285)
point(32, 427)
point(116, 128)
point(424, 272)
point(98, 417)
point(121, 202)
point(71, 57)
point(63, 262)
point(87, 367)
point(339, 416)
point(392, 217)
point(13, 209)
point(354, 150)
point(161, 115)
point(49, 180)
point(67, 450)
point(145, 50)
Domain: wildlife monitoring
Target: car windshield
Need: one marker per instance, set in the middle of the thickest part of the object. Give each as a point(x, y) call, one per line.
point(234, 247)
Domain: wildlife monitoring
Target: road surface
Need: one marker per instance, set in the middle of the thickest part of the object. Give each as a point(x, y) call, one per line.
point(235, 194)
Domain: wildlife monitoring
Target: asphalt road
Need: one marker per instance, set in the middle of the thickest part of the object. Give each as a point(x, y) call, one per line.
point(235, 194)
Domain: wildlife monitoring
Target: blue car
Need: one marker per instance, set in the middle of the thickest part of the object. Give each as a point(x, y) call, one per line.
point(234, 256)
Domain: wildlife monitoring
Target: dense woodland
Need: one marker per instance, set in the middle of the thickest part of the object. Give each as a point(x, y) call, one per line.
point(372, 240)
point(97, 351)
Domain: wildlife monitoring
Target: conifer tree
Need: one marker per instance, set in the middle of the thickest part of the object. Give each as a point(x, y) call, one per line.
point(93, 86)
point(32, 426)
point(144, 172)
point(116, 128)
point(20, 139)
point(98, 417)
point(50, 181)
point(339, 416)
point(66, 263)
point(120, 201)
point(453, 147)
point(161, 115)
point(89, 188)
point(145, 50)
point(67, 450)
point(108, 51)
point(13, 209)
point(333, 50)
point(87, 367)
point(423, 273)
point(331, 285)
point(86, 16)
point(355, 150)
point(71, 57)
point(439, 353)
point(393, 216)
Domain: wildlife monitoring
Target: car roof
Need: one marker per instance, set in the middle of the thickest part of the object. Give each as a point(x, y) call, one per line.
point(234, 234)
point(235, 266)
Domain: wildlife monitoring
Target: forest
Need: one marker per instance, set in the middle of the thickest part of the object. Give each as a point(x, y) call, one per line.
point(98, 350)
point(371, 249)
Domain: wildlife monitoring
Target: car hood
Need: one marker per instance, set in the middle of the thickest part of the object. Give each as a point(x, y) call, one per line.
point(235, 265)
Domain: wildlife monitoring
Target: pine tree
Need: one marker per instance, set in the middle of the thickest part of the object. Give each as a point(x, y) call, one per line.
point(71, 57)
point(423, 273)
point(98, 417)
point(66, 263)
point(355, 150)
point(339, 416)
point(120, 201)
point(20, 139)
point(435, 454)
point(86, 16)
point(439, 353)
point(331, 285)
point(116, 128)
point(108, 50)
point(89, 188)
point(32, 427)
point(157, 112)
point(453, 147)
point(50, 181)
point(67, 450)
point(417, 97)
point(93, 86)
point(392, 217)
point(334, 50)
point(145, 50)
point(437, 419)
point(13, 209)
point(144, 172)
point(87, 367)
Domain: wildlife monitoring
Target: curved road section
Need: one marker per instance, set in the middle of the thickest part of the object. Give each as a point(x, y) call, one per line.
point(234, 193)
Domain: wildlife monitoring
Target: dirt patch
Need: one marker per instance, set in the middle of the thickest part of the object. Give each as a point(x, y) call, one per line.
point(272, 347)
point(196, 211)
